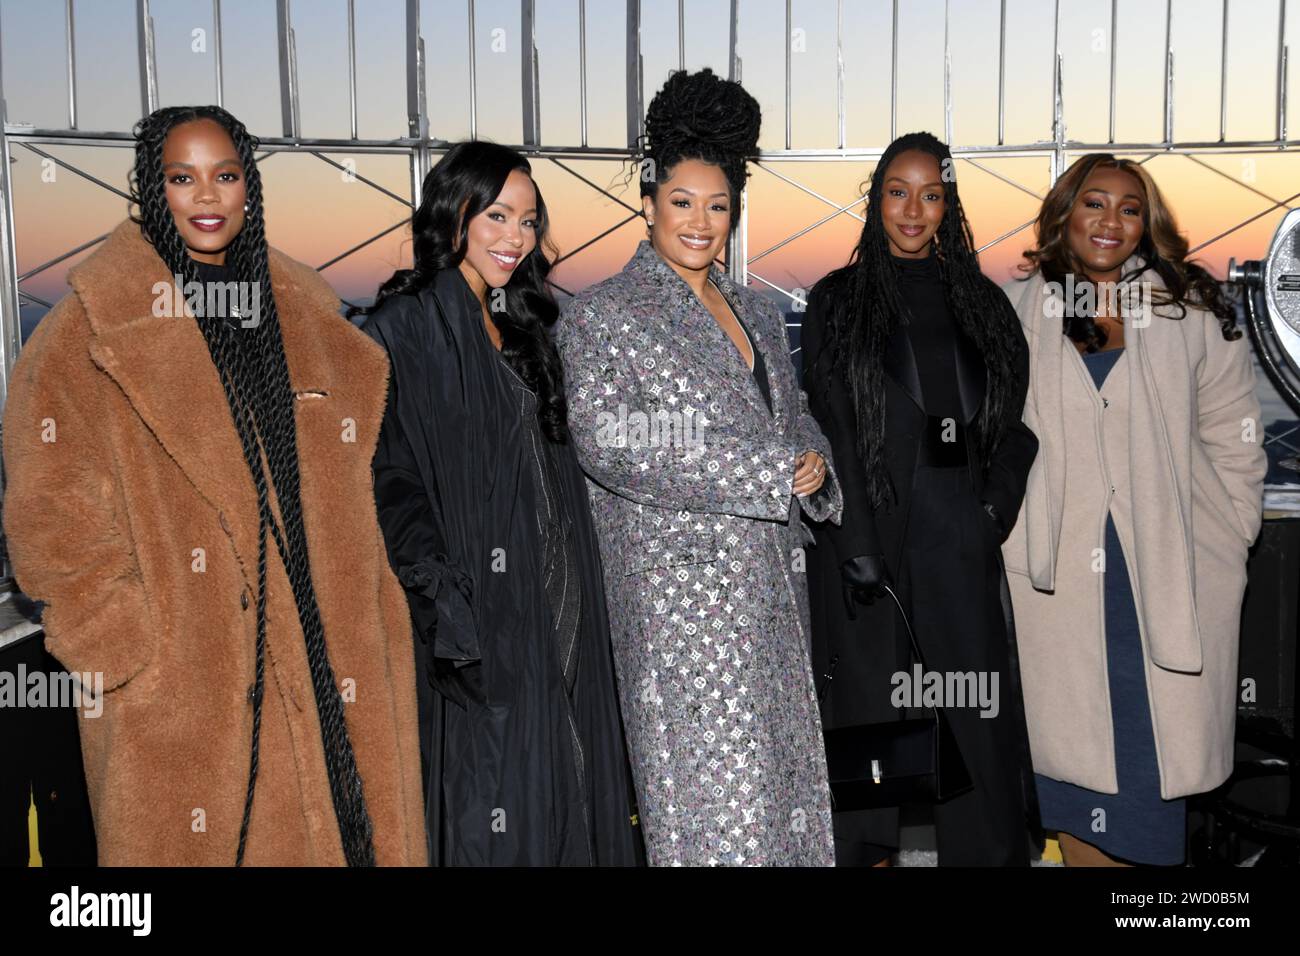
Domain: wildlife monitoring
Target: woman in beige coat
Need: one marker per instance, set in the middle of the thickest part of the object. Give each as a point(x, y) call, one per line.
point(222, 571)
point(1128, 562)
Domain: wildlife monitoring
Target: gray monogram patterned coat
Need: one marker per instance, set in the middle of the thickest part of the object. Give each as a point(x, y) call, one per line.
point(691, 489)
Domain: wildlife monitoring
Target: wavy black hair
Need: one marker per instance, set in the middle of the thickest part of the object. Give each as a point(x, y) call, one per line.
point(255, 376)
point(700, 116)
point(467, 180)
point(863, 309)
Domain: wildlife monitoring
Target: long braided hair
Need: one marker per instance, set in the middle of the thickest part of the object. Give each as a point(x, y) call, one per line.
point(255, 376)
point(863, 309)
point(466, 181)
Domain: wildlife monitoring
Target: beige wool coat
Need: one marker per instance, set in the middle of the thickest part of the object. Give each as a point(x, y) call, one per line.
point(1173, 447)
point(130, 512)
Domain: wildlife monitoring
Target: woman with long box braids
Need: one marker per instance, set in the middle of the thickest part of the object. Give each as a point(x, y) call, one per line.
point(916, 367)
point(189, 493)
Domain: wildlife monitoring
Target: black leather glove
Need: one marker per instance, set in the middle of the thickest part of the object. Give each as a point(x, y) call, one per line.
point(862, 580)
point(999, 526)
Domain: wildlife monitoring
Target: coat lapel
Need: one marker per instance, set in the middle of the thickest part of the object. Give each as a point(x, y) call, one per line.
point(696, 330)
point(972, 376)
point(900, 365)
point(162, 365)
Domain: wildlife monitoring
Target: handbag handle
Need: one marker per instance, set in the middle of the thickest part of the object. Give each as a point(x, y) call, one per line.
point(911, 638)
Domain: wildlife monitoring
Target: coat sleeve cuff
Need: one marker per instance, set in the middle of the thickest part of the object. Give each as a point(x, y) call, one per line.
point(439, 595)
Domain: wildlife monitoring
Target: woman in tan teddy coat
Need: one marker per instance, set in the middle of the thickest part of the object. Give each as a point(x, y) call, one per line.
point(189, 492)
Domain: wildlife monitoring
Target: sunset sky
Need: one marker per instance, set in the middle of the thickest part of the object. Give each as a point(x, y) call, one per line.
point(314, 215)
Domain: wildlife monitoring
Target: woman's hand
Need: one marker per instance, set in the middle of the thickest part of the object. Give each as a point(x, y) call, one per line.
point(810, 472)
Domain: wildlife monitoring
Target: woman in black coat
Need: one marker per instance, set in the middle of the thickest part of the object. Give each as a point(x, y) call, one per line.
point(485, 516)
point(916, 369)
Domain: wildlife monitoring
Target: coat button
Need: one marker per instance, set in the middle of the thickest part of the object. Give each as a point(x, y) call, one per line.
point(252, 692)
point(1105, 403)
point(243, 599)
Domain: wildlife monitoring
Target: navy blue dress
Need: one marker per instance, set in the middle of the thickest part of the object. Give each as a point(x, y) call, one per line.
point(1139, 826)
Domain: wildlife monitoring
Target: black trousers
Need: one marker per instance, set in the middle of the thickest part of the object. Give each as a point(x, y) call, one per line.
point(40, 759)
point(949, 582)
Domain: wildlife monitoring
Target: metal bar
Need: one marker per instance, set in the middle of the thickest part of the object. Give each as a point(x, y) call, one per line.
point(816, 195)
point(1006, 235)
point(148, 58)
point(217, 51)
point(1230, 178)
point(733, 62)
point(1114, 34)
point(1281, 113)
point(633, 73)
point(361, 179)
point(789, 29)
point(1281, 70)
point(73, 169)
point(473, 76)
point(361, 245)
point(772, 285)
point(57, 259)
point(555, 285)
point(528, 72)
point(70, 42)
point(1223, 79)
point(1169, 70)
point(573, 172)
point(738, 243)
point(1006, 179)
point(288, 78)
point(10, 307)
point(1058, 97)
point(352, 66)
point(839, 71)
point(404, 145)
point(681, 34)
point(582, 71)
point(595, 239)
point(893, 77)
point(947, 78)
point(805, 230)
point(1002, 72)
point(417, 120)
point(36, 299)
point(1244, 223)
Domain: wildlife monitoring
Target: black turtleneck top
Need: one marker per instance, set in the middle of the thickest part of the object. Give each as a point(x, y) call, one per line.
point(208, 273)
point(932, 332)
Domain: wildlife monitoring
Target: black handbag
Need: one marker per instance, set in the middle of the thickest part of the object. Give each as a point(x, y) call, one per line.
point(914, 760)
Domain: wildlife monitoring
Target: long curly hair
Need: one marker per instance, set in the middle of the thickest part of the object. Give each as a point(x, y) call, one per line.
point(1162, 249)
point(699, 116)
point(466, 181)
point(863, 310)
point(255, 377)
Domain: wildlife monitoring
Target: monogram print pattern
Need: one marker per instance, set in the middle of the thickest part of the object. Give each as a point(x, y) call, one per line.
point(701, 537)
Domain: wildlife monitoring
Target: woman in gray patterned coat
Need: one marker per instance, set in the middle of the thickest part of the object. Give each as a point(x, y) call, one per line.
point(701, 454)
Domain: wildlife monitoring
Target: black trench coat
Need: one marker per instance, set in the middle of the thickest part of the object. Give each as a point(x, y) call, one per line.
point(873, 647)
point(455, 490)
